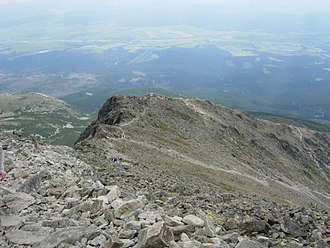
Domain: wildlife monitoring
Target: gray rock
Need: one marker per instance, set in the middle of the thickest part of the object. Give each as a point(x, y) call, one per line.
point(208, 225)
point(129, 234)
point(128, 206)
point(184, 237)
point(10, 221)
point(68, 235)
point(231, 238)
point(177, 230)
point(18, 201)
point(292, 228)
point(128, 243)
point(113, 242)
point(171, 221)
point(173, 244)
point(33, 184)
point(247, 243)
point(83, 207)
point(190, 244)
point(254, 225)
point(156, 236)
point(96, 206)
point(294, 244)
point(109, 215)
point(114, 193)
point(98, 241)
point(60, 223)
point(209, 245)
point(231, 224)
point(193, 220)
point(133, 225)
point(25, 237)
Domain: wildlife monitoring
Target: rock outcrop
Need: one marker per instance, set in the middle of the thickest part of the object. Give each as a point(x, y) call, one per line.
point(52, 198)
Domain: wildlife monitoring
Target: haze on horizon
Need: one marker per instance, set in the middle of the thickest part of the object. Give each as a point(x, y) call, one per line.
point(263, 55)
point(204, 13)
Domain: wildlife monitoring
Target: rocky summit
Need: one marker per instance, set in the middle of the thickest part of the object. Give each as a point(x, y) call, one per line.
point(133, 181)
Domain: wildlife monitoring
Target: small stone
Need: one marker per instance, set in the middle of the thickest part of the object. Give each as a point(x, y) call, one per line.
point(184, 237)
point(190, 244)
point(193, 220)
point(208, 225)
point(114, 193)
point(231, 238)
point(231, 224)
point(157, 235)
point(128, 206)
point(133, 225)
point(113, 242)
point(98, 241)
point(247, 243)
point(177, 230)
point(252, 225)
point(170, 221)
point(128, 243)
point(129, 234)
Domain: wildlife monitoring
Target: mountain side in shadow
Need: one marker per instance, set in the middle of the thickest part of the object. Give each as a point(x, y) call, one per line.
point(196, 149)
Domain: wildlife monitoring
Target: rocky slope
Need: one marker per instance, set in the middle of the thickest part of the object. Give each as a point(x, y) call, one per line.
point(194, 148)
point(53, 120)
point(52, 198)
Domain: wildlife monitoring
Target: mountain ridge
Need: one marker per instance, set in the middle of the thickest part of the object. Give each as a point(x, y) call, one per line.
point(220, 146)
point(52, 119)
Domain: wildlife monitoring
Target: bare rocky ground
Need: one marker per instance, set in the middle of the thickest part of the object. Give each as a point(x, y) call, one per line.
point(210, 148)
point(51, 198)
point(55, 196)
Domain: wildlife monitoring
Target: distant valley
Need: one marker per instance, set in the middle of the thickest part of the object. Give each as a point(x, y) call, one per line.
point(53, 120)
point(280, 73)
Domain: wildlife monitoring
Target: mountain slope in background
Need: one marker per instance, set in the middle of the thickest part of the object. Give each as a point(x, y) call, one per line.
point(194, 147)
point(52, 119)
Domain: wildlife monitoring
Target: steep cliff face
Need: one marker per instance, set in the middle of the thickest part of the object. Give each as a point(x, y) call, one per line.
point(191, 143)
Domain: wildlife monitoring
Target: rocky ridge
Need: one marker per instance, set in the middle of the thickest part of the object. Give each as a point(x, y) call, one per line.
point(51, 198)
point(192, 147)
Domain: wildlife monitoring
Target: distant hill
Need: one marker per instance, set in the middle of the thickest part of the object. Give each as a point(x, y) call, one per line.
point(53, 120)
point(194, 145)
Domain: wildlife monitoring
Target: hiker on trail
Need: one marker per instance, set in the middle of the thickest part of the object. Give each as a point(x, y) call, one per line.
point(2, 168)
point(34, 140)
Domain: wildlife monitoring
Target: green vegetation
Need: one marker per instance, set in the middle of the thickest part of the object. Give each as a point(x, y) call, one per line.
point(53, 128)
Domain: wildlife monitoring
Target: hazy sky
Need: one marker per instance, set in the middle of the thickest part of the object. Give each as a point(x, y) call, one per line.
point(275, 15)
point(228, 6)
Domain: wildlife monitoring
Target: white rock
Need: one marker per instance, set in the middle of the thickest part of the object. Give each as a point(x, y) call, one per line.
point(193, 220)
point(184, 237)
point(114, 193)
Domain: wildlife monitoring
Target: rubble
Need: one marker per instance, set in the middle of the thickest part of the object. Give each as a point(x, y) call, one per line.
point(51, 198)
